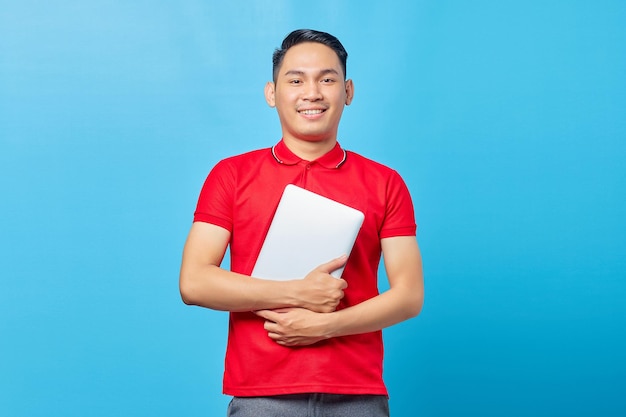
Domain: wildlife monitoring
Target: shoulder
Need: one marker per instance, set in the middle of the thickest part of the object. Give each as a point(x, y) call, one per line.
point(376, 168)
point(242, 161)
point(380, 178)
point(246, 157)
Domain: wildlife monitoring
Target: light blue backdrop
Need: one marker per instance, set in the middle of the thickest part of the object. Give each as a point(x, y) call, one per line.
point(507, 120)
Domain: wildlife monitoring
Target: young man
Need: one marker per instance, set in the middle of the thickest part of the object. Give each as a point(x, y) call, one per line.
point(313, 343)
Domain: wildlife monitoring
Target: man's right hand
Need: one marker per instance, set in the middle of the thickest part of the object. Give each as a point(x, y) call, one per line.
point(321, 292)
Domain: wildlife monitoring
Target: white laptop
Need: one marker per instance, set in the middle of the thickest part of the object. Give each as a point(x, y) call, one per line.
point(307, 230)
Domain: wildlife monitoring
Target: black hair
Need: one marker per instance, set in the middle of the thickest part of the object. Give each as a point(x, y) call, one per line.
point(307, 35)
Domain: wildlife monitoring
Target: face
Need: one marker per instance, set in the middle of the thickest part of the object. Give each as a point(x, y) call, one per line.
point(309, 94)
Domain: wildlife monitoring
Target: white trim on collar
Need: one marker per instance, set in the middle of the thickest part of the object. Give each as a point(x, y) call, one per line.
point(280, 161)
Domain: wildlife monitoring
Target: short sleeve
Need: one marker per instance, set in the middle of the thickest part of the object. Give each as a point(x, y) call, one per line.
point(399, 212)
point(215, 204)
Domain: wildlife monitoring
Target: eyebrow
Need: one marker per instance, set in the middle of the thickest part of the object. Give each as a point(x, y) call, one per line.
point(322, 72)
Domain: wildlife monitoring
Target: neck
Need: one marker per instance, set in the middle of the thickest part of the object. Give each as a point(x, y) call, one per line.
point(309, 150)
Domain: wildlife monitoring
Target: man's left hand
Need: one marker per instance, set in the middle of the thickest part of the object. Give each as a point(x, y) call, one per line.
point(295, 326)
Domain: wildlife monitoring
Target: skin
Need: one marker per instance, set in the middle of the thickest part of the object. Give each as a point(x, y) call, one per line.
point(309, 95)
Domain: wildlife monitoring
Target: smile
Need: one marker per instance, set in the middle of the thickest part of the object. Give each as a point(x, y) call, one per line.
point(311, 112)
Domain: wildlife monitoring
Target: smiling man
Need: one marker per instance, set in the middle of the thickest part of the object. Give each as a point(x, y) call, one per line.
point(310, 346)
point(309, 92)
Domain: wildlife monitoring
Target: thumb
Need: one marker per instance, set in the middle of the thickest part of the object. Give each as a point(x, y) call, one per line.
point(333, 265)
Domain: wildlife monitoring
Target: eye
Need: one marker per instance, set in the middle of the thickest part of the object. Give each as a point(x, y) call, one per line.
point(328, 80)
point(295, 81)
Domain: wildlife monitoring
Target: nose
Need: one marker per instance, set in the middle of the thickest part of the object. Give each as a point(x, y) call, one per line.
point(312, 92)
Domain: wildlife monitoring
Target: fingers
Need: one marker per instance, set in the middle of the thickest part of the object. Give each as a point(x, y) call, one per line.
point(319, 291)
point(270, 325)
point(289, 328)
point(333, 265)
point(268, 315)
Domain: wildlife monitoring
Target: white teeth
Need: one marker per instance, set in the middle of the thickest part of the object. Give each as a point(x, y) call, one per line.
point(308, 112)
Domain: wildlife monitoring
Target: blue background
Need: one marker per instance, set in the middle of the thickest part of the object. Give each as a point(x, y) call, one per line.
point(506, 119)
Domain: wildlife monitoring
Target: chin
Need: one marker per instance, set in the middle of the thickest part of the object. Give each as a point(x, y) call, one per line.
point(314, 139)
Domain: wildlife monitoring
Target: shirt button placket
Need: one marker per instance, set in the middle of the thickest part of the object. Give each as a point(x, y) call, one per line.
point(305, 172)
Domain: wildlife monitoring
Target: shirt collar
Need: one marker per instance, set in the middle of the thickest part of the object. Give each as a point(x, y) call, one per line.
point(333, 159)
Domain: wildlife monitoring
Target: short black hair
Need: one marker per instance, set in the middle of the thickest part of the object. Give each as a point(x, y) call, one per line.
point(308, 35)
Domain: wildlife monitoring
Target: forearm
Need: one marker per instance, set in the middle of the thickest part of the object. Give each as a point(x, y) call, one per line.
point(204, 283)
point(213, 287)
point(384, 310)
point(210, 286)
point(299, 327)
point(404, 299)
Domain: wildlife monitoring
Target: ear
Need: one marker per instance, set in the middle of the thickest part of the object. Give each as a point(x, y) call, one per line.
point(270, 94)
point(349, 92)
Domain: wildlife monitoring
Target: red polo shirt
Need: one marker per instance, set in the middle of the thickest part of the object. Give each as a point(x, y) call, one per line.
point(241, 194)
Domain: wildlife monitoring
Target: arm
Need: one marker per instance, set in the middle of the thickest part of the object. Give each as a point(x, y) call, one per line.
point(402, 301)
point(204, 283)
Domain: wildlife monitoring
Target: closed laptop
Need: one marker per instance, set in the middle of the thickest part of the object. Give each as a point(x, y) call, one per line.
point(307, 230)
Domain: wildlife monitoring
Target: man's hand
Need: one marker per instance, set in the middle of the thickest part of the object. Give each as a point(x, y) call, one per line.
point(294, 326)
point(319, 291)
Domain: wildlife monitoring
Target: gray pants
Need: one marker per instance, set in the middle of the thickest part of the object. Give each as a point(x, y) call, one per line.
point(310, 405)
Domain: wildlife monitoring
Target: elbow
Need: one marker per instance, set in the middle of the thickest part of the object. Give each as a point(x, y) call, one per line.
point(187, 299)
point(196, 290)
point(411, 311)
point(414, 305)
point(188, 293)
point(416, 308)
